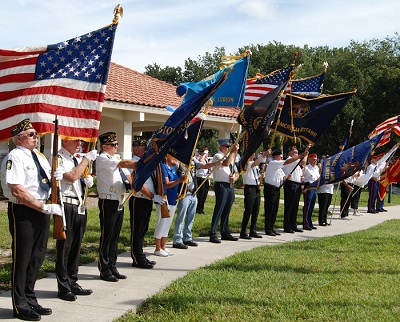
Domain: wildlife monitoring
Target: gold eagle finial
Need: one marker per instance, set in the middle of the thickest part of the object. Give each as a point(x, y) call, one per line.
point(118, 12)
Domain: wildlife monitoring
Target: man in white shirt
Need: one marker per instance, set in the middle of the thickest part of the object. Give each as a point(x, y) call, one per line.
point(224, 177)
point(311, 174)
point(292, 189)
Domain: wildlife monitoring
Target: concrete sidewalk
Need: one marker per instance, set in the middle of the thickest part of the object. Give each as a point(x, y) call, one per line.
point(111, 300)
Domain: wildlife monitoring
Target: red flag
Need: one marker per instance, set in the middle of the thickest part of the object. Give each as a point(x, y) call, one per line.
point(390, 125)
point(392, 175)
point(67, 79)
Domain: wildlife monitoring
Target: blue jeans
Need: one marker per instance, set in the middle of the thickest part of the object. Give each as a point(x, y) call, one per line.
point(185, 212)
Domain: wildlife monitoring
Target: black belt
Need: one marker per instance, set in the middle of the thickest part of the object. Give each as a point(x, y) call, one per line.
point(270, 185)
point(290, 181)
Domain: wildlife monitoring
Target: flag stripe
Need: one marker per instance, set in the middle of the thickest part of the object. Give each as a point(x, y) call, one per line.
point(62, 95)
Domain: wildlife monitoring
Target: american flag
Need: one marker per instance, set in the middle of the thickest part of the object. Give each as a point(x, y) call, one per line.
point(309, 87)
point(258, 87)
point(67, 79)
point(390, 125)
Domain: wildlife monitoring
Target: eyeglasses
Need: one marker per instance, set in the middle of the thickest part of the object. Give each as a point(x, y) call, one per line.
point(112, 144)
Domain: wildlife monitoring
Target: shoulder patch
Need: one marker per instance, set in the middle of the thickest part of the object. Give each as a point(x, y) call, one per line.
point(9, 165)
point(60, 159)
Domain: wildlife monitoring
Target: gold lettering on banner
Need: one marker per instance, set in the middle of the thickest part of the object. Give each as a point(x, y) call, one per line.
point(167, 130)
point(299, 129)
point(222, 99)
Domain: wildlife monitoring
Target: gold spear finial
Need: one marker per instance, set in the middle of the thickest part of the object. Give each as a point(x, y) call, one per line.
point(118, 12)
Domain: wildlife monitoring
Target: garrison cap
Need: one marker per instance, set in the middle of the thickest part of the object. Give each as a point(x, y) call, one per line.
point(21, 127)
point(108, 137)
point(139, 142)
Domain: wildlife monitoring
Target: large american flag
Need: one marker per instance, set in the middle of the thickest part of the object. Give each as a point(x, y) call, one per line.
point(258, 87)
point(390, 125)
point(67, 79)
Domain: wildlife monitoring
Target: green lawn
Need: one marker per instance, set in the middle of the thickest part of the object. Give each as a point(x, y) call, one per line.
point(352, 277)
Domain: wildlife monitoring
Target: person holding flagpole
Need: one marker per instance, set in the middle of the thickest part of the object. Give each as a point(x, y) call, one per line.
point(72, 186)
point(292, 189)
point(111, 178)
point(311, 174)
point(25, 174)
point(224, 176)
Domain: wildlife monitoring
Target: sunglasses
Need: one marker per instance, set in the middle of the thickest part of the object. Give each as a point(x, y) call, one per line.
point(31, 134)
point(112, 144)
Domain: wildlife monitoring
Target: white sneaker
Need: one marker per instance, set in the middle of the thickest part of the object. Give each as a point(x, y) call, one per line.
point(160, 253)
point(169, 252)
point(355, 213)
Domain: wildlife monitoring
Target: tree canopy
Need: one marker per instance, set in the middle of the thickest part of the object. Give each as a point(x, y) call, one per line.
point(372, 67)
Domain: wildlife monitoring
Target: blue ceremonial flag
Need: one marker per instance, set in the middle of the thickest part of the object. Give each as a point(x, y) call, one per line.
point(310, 116)
point(256, 120)
point(183, 147)
point(168, 134)
point(308, 87)
point(344, 164)
point(230, 93)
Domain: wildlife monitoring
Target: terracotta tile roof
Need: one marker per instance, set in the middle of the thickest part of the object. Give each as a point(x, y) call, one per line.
point(129, 86)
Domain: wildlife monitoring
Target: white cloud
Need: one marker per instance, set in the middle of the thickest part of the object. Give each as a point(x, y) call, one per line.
point(263, 9)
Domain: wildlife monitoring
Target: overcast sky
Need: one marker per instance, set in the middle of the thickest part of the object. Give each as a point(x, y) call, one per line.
point(167, 32)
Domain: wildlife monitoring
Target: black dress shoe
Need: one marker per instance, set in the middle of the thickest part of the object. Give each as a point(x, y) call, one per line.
point(229, 237)
point(191, 243)
point(276, 233)
point(67, 296)
point(323, 224)
point(244, 236)
point(313, 227)
point(145, 264)
point(108, 278)
point(151, 262)
point(118, 275)
point(307, 228)
point(382, 210)
point(371, 211)
point(78, 290)
point(28, 316)
point(215, 240)
point(298, 230)
point(180, 246)
point(288, 231)
point(255, 235)
point(41, 310)
point(270, 233)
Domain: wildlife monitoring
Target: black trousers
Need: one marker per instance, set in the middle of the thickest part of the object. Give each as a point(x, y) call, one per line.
point(344, 201)
point(324, 201)
point(29, 230)
point(252, 200)
point(271, 205)
point(110, 223)
point(202, 193)
point(224, 198)
point(140, 213)
point(292, 194)
point(68, 250)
